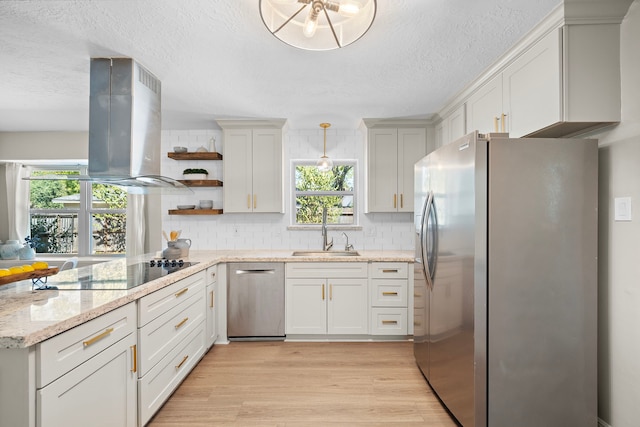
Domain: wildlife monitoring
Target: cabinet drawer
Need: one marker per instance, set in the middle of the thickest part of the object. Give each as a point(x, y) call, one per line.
point(157, 303)
point(156, 386)
point(326, 270)
point(389, 293)
point(393, 270)
point(165, 331)
point(388, 321)
point(61, 353)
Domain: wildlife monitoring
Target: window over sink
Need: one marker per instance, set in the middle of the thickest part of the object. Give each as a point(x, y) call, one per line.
point(69, 216)
point(313, 189)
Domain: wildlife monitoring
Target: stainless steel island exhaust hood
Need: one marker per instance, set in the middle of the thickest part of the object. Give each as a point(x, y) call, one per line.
point(125, 126)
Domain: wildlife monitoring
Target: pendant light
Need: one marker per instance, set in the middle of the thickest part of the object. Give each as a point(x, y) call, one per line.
point(324, 164)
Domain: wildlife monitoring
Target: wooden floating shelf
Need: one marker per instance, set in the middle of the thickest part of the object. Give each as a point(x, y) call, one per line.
point(195, 211)
point(204, 155)
point(201, 182)
point(28, 275)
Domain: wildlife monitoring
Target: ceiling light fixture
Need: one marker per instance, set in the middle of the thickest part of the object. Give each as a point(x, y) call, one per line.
point(324, 164)
point(318, 24)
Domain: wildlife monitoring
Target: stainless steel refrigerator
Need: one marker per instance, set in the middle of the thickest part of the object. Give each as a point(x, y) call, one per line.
point(505, 279)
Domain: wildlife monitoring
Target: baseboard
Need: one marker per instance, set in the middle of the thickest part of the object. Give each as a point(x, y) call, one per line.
point(602, 423)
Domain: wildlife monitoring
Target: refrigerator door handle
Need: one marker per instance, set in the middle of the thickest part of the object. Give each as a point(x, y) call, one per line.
point(429, 254)
point(426, 213)
point(433, 261)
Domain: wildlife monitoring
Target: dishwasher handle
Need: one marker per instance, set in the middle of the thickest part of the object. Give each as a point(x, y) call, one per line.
point(257, 271)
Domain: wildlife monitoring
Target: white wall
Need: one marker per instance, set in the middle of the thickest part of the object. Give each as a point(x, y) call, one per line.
point(269, 231)
point(619, 246)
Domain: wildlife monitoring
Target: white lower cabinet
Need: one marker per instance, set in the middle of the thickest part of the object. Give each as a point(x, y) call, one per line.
point(158, 384)
point(171, 333)
point(100, 392)
point(389, 288)
point(334, 303)
point(87, 375)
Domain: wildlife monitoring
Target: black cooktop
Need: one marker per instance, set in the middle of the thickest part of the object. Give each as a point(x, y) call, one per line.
point(115, 277)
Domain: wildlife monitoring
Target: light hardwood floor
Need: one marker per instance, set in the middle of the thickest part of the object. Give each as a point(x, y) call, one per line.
point(305, 384)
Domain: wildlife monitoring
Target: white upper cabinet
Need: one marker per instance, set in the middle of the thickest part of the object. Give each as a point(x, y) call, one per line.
point(391, 154)
point(565, 82)
point(252, 169)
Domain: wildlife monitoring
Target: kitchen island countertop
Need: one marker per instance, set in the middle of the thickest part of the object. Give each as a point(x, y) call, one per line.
point(28, 317)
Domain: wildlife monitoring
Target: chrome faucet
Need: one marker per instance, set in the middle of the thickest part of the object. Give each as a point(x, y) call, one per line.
point(347, 246)
point(325, 244)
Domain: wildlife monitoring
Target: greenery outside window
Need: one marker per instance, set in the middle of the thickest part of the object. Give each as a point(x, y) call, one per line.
point(334, 189)
point(70, 216)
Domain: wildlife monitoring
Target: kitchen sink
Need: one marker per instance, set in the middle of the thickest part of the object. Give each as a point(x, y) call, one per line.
point(326, 254)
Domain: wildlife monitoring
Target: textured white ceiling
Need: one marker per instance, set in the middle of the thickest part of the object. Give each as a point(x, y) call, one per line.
point(216, 59)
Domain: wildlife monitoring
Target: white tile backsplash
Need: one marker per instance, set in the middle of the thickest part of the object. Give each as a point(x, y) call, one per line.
point(269, 231)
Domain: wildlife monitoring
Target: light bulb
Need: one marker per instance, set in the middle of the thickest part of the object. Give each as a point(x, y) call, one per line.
point(310, 24)
point(349, 8)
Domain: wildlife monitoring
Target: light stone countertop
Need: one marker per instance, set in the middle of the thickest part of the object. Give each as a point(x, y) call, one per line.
point(28, 317)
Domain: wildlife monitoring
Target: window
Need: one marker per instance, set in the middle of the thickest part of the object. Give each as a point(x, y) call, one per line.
point(70, 216)
point(334, 189)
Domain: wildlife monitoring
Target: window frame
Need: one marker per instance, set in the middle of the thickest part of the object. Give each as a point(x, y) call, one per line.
point(84, 212)
point(295, 193)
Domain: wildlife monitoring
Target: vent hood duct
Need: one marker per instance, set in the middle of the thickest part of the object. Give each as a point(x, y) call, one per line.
point(125, 127)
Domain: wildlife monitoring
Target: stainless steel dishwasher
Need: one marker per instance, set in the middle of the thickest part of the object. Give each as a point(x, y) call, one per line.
point(255, 301)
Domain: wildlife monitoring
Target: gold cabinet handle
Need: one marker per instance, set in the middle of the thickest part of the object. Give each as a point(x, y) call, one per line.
point(495, 124)
point(212, 300)
point(330, 292)
point(401, 200)
point(389, 322)
point(390, 270)
point(395, 201)
point(417, 295)
point(502, 122)
point(389, 293)
point(182, 322)
point(248, 201)
point(417, 324)
point(98, 337)
point(255, 201)
point(323, 292)
point(182, 363)
point(181, 292)
point(134, 353)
